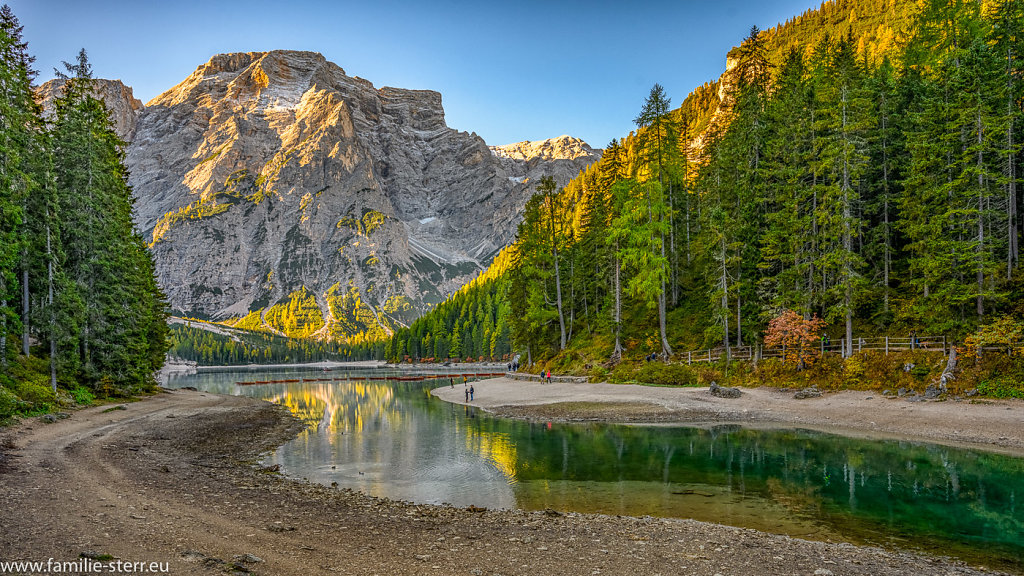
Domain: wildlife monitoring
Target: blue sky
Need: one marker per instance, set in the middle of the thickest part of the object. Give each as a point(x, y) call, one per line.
point(509, 71)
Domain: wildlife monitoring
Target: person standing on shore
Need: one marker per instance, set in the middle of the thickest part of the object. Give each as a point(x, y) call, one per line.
point(452, 380)
point(467, 394)
point(471, 393)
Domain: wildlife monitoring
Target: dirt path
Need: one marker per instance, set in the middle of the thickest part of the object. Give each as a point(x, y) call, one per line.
point(172, 479)
point(986, 424)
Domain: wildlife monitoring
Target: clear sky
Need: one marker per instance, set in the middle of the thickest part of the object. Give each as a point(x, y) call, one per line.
point(509, 71)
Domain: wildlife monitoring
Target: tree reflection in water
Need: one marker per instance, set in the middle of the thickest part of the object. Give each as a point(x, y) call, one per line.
point(391, 439)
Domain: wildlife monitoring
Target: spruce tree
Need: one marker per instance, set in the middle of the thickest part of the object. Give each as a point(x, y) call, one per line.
point(122, 335)
point(843, 123)
point(18, 122)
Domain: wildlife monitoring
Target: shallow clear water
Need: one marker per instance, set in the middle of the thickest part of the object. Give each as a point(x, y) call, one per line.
point(391, 439)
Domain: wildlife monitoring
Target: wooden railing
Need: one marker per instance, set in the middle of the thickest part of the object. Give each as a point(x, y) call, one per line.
point(880, 343)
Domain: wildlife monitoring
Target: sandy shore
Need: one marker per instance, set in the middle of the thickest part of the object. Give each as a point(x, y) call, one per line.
point(174, 479)
point(982, 424)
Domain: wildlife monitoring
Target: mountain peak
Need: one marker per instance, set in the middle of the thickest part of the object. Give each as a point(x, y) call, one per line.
point(123, 106)
point(236, 61)
point(560, 148)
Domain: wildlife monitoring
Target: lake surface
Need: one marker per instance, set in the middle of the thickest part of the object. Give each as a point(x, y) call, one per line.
point(392, 439)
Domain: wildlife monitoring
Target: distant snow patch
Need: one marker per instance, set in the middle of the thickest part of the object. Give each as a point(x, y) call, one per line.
point(428, 220)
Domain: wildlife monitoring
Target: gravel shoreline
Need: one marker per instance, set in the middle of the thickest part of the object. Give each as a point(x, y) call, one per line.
point(175, 478)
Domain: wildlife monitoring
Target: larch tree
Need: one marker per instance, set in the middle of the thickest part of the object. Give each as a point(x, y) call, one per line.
point(657, 141)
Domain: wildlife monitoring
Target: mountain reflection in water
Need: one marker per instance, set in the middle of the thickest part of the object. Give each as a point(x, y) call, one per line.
point(391, 439)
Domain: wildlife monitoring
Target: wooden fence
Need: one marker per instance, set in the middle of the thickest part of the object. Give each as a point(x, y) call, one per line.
point(881, 343)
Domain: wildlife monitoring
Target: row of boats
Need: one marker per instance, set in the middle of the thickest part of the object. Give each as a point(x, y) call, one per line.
point(419, 378)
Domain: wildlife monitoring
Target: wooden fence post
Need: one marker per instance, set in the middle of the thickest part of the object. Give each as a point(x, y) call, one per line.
point(886, 345)
point(689, 358)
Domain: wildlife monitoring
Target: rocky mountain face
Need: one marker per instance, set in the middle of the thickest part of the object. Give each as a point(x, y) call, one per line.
point(561, 158)
point(279, 193)
point(123, 106)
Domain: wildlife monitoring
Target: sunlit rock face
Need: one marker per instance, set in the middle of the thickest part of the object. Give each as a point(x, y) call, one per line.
point(279, 191)
point(123, 106)
point(561, 158)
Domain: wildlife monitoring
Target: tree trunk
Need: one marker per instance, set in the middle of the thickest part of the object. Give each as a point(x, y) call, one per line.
point(739, 314)
point(24, 312)
point(1012, 256)
point(847, 240)
point(887, 242)
point(558, 278)
point(572, 296)
point(617, 352)
point(53, 313)
point(3, 330)
point(981, 222)
point(725, 298)
point(672, 245)
point(666, 349)
point(26, 324)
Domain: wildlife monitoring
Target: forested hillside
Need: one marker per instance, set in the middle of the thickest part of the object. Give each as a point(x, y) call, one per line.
point(79, 305)
point(862, 167)
point(214, 345)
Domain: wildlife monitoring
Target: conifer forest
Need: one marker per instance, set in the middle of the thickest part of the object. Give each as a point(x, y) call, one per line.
point(861, 170)
point(80, 309)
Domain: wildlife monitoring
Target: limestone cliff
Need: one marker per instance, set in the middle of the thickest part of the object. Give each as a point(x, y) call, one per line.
point(124, 108)
point(280, 193)
point(561, 158)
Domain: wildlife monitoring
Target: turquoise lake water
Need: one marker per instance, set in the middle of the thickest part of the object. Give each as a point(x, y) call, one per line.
point(392, 439)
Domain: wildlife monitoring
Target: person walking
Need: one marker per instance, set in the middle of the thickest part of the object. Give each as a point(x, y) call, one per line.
point(470, 393)
point(452, 380)
point(549, 375)
point(467, 394)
